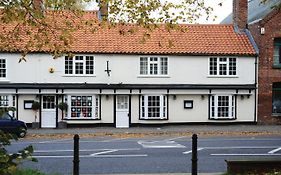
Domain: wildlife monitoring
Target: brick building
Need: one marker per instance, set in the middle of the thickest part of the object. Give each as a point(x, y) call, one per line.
point(267, 35)
point(264, 23)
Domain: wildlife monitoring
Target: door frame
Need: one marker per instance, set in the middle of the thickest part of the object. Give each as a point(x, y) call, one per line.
point(115, 108)
point(55, 109)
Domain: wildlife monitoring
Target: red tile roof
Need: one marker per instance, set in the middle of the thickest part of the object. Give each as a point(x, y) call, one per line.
point(195, 40)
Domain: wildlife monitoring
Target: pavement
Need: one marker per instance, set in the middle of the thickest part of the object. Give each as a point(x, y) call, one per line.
point(204, 130)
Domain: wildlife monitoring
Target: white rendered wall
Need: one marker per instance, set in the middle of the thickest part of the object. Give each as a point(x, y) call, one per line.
point(26, 115)
point(124, 69)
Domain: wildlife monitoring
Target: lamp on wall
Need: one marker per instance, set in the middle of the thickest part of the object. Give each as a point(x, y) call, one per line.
point(242, 97)
point(202, 97)
point(174, 97)
point(107, 97)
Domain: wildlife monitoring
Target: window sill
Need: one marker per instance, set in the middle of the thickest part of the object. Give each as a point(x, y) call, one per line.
point(225, 118)
point(222, 76)
point(153, 119)
point(4, 80)
point(276, 114)
point(276, 66)
point(154, 76)
point(67, 119)
point(78, 75)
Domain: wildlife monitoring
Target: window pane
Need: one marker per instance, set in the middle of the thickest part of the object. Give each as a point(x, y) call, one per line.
point(277, 51)
point(213, 66)
point(143, 66)
point(68, 65)
point(232, 66)
point(89, 65)
point(164, 65)
point(4, 101)
point(276, 98)
point(78, 68)
point(2, 68)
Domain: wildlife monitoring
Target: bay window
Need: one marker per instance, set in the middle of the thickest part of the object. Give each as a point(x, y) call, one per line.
point(153, 107)
point(83, 107)
point(222, 107)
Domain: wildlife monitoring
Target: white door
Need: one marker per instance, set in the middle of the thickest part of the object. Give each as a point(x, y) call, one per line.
point(48, 118)
point(122, 111)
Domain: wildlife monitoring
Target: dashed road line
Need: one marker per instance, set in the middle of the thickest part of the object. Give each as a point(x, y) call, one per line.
point(274, 151)
point(188, 152)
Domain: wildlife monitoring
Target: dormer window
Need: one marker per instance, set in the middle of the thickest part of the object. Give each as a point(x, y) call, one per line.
point(277, 53)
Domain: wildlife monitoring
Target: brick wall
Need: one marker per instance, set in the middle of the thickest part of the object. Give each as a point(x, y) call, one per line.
point(267, 74)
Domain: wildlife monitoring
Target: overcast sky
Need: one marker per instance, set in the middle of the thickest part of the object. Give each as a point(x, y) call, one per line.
point(220, 11)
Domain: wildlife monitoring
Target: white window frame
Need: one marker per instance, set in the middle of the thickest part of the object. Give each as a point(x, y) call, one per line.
point(146, 69)
point(231, 107)
point(3, 68)
point(218, 63)
point(75, 62)
point(10, 101)
point(163, 108)
point(95, 107)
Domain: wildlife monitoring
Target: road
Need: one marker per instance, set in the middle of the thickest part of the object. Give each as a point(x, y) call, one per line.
point(105, 155)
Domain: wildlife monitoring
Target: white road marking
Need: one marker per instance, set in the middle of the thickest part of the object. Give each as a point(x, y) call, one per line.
point(129, 155)
point(55, 141)
point(176, 138)
point(160, 144)
point(241, 147)
point(86, 150)
point(98, 156)
point(274, 151)
point(188, 152)
point(245, 154)
point(104, 152)
point(113, 140)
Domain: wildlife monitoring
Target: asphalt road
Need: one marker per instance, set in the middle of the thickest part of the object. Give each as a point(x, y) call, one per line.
point(105, 155)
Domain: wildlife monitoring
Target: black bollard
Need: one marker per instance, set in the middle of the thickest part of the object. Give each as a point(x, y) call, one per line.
point(194, 155)
point(76, 155)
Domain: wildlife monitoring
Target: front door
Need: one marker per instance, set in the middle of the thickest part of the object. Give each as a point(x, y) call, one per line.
point(122, 111)
point(48, 111)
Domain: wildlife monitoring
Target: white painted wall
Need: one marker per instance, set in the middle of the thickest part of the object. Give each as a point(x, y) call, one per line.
point(26, 115)
point(125, 69)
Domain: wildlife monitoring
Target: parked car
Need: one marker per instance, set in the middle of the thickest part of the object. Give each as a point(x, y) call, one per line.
point(11, 125)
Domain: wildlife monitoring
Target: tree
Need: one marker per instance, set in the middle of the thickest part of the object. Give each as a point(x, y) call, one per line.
point(28, 25)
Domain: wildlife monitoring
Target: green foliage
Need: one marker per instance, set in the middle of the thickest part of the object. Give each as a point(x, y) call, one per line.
point(6, 109)
point(63, 106)
point(35, 106)
point(28, 172)
point(10, 161)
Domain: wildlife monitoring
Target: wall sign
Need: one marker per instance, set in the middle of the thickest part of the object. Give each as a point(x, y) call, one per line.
point(28, 104)
point(188, 104)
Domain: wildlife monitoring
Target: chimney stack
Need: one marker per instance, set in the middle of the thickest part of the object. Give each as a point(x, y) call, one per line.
point(240, 14)
point(103, 9)
point(37, 5)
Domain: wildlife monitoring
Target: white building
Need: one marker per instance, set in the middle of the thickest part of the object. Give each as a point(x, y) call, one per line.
point(207, 74)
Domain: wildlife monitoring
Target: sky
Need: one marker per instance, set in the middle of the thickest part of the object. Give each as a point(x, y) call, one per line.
point(220, 11)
